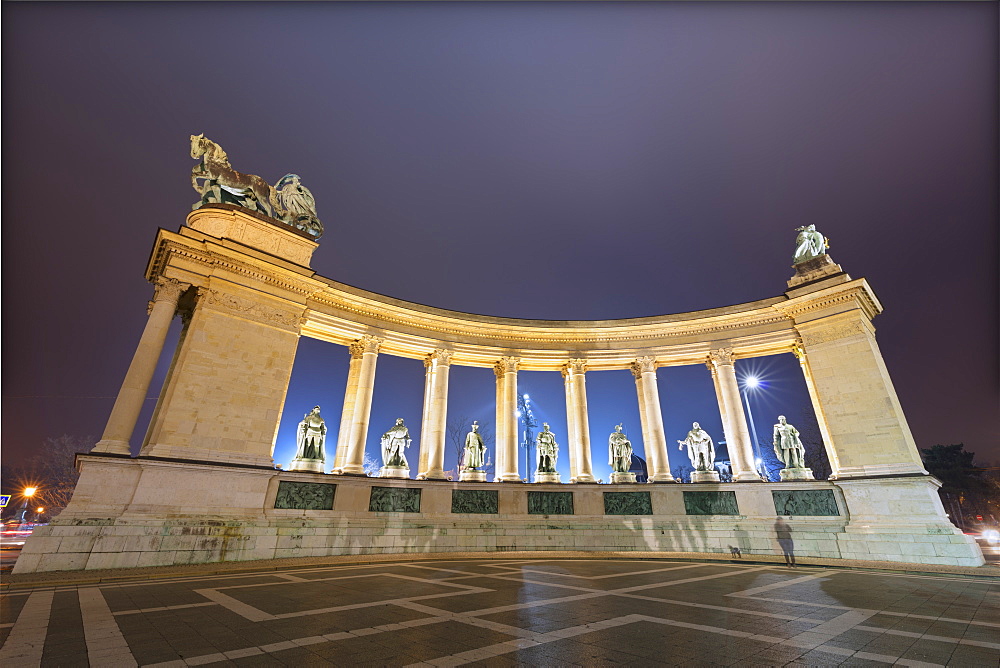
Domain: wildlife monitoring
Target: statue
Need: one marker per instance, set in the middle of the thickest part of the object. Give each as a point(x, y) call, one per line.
point(809, 244)
point(547, 452)
point(474, 456)
point(394, 442)
point(790, 451)
point(299, 203)
point(620, 456)
point(310, 442)
point(218, 183)
point(701, 452)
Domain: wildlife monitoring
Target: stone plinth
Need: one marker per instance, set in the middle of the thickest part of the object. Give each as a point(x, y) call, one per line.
point(813, 270)
point(229, 222)
point(546, 477)
point(472, 476)
point(176, 512)
point(705, 476)
point(394, 472)
point(622, 478)
point(796, 474)
point(309, 465)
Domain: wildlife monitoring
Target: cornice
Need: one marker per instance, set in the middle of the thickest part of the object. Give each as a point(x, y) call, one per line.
point(169, 248)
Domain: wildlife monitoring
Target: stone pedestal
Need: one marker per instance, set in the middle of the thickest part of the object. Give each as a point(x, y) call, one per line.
point(704, 476)
point(814, 270)
point(311, 465)
point(394, 472)
point(626, 477)
point(547, 477)
point(796, 474)
point(472, 476)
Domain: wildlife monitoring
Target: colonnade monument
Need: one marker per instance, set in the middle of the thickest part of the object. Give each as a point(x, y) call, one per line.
point(204, 486)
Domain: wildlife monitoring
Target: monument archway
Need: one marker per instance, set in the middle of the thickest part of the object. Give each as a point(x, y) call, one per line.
point(204, 486)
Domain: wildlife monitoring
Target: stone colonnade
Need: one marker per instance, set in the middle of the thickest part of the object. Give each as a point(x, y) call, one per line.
point(224, 394)
point(354, 422)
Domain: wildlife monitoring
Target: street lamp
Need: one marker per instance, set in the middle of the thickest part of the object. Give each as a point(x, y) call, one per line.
point(526, 416)
point(752, 383)
point(26, 495)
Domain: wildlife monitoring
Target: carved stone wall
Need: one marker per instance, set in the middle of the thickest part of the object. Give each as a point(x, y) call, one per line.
point(304, 495)
point(711, 503)
point(627, 503)
point(484, 501)
point(805, 503)
point(550, 503)
point(394, 500)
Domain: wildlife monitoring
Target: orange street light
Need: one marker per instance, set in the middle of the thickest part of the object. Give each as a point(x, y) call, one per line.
point(30, 491)
point(40, 510)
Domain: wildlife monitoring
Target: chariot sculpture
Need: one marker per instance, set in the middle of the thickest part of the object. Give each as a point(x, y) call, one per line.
point(218, 183)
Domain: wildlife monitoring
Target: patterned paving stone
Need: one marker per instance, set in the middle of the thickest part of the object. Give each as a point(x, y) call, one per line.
point(515, 612)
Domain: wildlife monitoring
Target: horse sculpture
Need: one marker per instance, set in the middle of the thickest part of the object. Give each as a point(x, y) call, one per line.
point(214, 166)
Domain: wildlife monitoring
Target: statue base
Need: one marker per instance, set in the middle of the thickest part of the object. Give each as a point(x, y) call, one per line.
point(622, 477)
point(704, 476)
point(310, 465)
point(818, 268)
point(472, 476)
point(394, 472)
point(546, 477)
point(796, 474)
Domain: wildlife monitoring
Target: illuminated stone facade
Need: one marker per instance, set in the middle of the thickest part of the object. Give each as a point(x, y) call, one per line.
point(204, 486)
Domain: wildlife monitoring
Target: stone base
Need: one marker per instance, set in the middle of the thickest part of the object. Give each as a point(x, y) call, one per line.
point(310, 465)
point(129, 513)
point(619, 478)
point(704, 476)
point(814, 270)
point(796, 474)
point(472, 476)
point(394, 472)
point(546, 477)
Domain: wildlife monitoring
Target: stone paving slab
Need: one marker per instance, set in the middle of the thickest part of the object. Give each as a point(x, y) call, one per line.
point(511, 610)
point(54, 578)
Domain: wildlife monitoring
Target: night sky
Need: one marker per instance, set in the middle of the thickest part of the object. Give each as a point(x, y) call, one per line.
point(555, 161)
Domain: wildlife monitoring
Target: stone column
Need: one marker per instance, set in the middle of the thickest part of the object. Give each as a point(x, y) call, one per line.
point(354, 462)
point(432, 430)
point(132, 394)
point(571, 428)
point(356, 351)
point(734, 419)
point(506, 447)
point(654, 437)
point(831, 453)
point(582, 468)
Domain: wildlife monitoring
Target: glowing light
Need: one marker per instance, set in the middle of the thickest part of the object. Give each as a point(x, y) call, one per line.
point(751, 382)
point(40, 510)
point(517, 413)
point(30, 491)
point(526, 397)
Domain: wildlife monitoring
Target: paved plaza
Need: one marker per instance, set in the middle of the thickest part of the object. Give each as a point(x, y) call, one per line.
point(503, 612)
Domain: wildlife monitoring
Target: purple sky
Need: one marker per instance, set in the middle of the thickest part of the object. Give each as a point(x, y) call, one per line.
point(563, 160)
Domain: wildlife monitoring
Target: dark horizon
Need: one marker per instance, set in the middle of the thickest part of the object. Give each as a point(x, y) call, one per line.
point(533, 160)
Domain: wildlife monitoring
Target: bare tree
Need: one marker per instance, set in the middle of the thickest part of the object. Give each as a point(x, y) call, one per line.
point(52, 470)
point(457, 428)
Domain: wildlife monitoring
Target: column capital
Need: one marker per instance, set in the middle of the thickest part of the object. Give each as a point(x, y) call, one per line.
point(366, 344)
point(438, 357)
point(574, 367)
point(506, 365)
point(642, 365)
point(168, 290)
point(721, 357)
point(798, 349)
